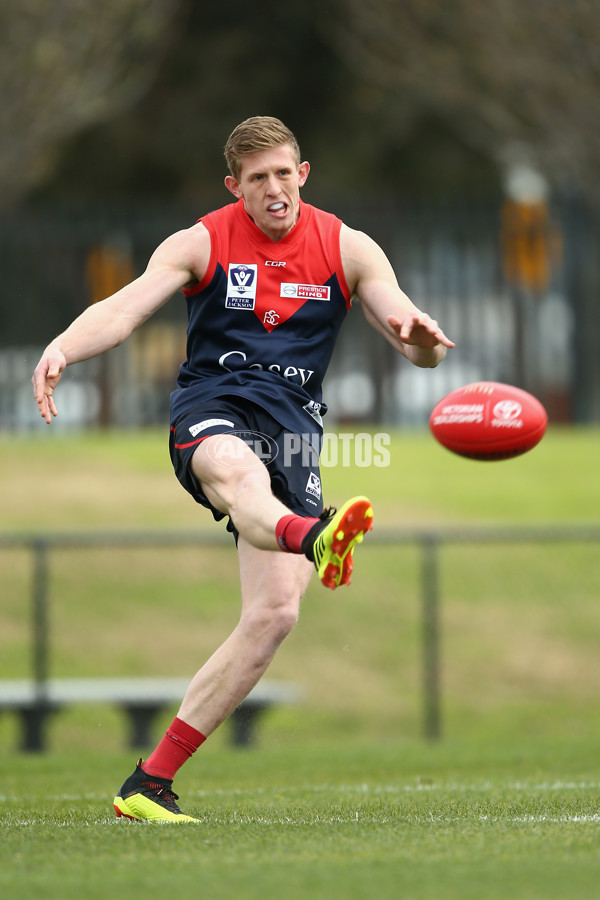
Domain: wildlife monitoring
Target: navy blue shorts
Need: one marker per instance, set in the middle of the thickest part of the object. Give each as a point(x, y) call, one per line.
point(292, 460)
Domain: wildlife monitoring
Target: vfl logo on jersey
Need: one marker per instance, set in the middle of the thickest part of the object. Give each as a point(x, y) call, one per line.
point(305, 291)
point(241, 286)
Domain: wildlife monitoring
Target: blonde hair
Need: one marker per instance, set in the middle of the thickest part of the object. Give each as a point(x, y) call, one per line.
point(253, 135)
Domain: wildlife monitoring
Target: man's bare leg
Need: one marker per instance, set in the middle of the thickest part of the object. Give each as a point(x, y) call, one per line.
point(272, 586)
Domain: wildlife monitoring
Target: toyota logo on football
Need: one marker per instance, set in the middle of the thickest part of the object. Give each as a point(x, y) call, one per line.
point(507, 415)
point(507, 410)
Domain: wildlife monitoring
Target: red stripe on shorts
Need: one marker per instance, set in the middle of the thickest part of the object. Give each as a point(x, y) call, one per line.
point(192, 443)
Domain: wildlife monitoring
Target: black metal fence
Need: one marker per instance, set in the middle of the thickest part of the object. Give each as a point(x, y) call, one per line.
point(429, 544)
point(517, 292)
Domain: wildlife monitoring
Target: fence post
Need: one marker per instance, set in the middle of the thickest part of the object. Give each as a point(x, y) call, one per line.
point(33, 719)
point(40, 613)
point(431, 636)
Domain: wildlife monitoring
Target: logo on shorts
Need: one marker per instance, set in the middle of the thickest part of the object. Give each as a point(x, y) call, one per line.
point(241, 286)
point(208, 423)
point(313, 485)
point(314, 409)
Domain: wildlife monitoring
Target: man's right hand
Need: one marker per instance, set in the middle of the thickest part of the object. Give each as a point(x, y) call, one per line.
point(45, 378)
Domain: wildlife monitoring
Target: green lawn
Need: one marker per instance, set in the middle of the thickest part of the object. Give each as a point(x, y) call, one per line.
point(124, 479)
point(520, 623)
point(457, 820)
point(341, 797)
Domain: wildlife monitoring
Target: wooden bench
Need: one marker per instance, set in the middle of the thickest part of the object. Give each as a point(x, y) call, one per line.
point(140, 698)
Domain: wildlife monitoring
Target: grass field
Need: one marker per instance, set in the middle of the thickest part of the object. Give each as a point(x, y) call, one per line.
point(459, 820)
point(341, 797)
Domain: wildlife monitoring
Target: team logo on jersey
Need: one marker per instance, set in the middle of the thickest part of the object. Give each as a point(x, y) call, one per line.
point(305, 291)
point(241, 286)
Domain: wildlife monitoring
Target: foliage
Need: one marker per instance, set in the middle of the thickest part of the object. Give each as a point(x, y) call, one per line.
point(138, 96)
point(67, 65)
point(498, 73)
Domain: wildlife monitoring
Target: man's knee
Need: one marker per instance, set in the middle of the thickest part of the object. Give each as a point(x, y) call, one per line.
point(285, 619)
point(225, 466)
point(271, 621)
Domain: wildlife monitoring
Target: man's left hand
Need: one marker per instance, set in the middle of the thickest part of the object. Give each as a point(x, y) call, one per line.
point(419, 330)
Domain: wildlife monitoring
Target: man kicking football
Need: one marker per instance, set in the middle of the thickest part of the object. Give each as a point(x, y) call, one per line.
point(268, 281)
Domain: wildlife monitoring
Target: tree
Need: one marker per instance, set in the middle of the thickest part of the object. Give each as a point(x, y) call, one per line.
point(497, 72)
point(65, 65)
point(419, 95)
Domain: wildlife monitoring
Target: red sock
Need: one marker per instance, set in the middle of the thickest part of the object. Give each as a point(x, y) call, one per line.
point(178, 744)
point(291, 530)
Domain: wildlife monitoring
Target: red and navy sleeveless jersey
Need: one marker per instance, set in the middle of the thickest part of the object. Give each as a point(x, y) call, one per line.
point(263, 322)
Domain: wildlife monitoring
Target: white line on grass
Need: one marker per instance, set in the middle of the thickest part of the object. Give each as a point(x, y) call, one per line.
point(418, 787)
point(356, 818)
point(363, 789)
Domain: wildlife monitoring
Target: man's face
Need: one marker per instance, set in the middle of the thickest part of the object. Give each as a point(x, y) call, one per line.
point(269, 185)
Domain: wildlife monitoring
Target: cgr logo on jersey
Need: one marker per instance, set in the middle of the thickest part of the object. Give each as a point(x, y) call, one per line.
point(241, 286)
point(304, 291)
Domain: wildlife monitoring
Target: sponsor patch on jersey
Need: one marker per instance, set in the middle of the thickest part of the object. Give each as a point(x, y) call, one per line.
point(241, 286)
point(313, 485)
point(304, 291)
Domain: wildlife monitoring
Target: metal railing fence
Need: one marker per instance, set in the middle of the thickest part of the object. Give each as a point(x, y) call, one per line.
point(429, 543)
point(510, 322)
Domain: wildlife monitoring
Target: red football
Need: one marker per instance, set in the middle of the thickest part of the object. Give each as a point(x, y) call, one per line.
point(487, 420)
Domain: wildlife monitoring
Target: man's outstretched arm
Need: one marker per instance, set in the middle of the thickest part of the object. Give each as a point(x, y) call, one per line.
point(386, 307)
point(104, 325)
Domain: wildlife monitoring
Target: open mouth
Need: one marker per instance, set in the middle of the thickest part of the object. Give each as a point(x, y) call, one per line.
point(279, 208)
